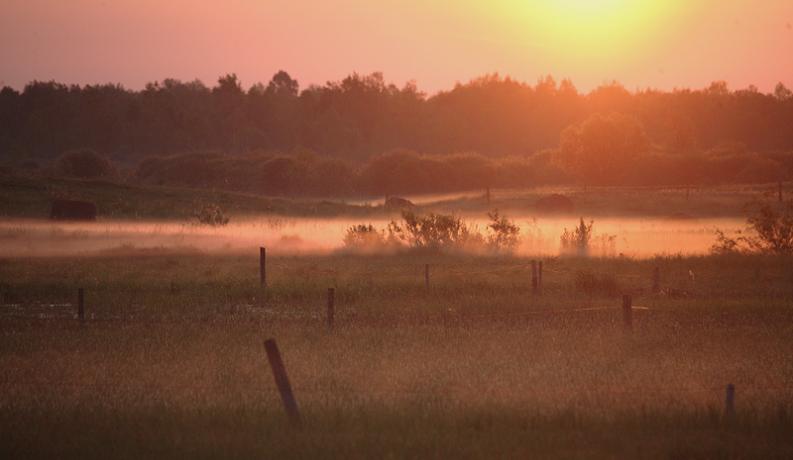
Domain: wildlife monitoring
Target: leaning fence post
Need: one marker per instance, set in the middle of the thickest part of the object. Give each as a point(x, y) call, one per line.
point(262, 267)
point(534, 276)
point(282, 381)
point(331, 306)
point(729, 401)
point(627, 311)
point(427, 275)
point(80, 304)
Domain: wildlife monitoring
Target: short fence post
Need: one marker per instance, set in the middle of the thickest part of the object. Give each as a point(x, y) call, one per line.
point(80, 304)
point(262, 267)
point(656, 280)
point(627, 311)
point(427, 275)
point(282, 381)
point(331, 306)
point(729, 401)
point(534, 276)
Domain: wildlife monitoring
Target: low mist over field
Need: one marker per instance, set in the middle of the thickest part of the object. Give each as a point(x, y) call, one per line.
point(638, 238)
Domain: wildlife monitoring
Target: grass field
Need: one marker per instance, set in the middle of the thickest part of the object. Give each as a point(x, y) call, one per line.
point(170, 362)
point(29, 197)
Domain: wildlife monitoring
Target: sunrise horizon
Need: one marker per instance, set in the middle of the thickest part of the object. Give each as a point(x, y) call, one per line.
point(640, 44)
point(396, 229)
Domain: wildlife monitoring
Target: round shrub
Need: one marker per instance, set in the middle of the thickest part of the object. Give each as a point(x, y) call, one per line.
point(85, 164)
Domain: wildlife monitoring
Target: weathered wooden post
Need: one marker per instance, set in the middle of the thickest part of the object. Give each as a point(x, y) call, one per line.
point(81, 304)
point(627, 312)
point(331, 306)
point(262, 267)
point(427, 275)
point(729, 401)
point(282, 382)
point(534, 280)
point(656, 280)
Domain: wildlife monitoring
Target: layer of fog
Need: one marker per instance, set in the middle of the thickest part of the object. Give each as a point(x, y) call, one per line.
point(634, 237)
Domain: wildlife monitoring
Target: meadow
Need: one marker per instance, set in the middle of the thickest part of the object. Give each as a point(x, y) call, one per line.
point(170, 360)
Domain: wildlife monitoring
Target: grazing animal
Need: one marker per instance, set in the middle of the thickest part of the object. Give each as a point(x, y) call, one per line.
point(72, 210)
point(395, 202)
point(555, 204)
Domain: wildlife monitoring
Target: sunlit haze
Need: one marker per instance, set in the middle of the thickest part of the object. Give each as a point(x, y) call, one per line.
point(651, 43)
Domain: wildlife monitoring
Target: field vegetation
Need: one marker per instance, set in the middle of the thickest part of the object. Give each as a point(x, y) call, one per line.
point(471, 362)
point(170, 362)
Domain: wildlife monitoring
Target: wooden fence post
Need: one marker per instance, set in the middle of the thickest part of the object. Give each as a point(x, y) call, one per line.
point(282, 382)
point(656, 280)
point(627, 311)
point(427, 275)
point(262, 267)
point(534, 280)
point(331, 306)
point(81, 304)
point(729, 401)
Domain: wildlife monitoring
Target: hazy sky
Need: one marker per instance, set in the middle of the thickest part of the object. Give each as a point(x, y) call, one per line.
point(657, 43)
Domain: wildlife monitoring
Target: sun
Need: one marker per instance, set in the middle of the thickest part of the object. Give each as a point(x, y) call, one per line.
point(587, 6)
point(584, 29)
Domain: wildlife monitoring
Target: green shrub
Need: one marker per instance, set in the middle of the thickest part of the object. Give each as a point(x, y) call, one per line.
point(770, 231)
point(577, 240)
point(435, 232)
point(505, 234)
point(211, 214)
point(85, 164)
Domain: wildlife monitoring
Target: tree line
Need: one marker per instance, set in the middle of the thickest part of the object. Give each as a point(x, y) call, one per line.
point(516, 133)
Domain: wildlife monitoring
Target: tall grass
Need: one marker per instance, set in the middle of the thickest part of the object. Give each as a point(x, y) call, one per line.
point(476, 366)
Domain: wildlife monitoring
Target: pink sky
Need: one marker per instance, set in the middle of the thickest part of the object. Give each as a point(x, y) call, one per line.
point(435, 43)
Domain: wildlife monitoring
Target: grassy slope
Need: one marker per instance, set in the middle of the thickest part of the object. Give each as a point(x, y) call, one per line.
point(476, 367)
point(30, 198)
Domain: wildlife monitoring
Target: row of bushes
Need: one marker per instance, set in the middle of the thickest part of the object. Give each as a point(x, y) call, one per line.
point(435, 232)
point(406, 172)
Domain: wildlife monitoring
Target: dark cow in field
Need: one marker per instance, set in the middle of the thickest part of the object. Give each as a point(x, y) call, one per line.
point(72, 210)
point(395, 202)
point(555, 204)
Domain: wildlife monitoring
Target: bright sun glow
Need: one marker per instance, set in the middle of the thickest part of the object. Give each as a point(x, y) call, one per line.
point(584, 29)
